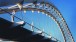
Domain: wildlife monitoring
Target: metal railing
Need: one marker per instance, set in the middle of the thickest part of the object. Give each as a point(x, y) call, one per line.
point(32, 26)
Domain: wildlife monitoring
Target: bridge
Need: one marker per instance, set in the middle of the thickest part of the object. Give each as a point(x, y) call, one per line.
point(47, 8)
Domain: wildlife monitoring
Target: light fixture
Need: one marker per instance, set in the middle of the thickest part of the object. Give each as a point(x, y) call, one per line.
point(24, 11)
point(49, 15)
point(38, 11)
point(43, 13)
point(32, 11)
point(46, 14)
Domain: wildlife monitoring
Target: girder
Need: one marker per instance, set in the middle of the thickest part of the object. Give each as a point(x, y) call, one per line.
point(13, 2)
point(51, 11)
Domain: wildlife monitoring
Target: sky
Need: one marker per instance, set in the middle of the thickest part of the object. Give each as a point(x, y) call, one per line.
point(66, 7)
point(68, 10)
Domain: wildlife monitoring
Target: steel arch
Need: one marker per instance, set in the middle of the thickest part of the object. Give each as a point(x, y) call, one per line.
point(51, 11)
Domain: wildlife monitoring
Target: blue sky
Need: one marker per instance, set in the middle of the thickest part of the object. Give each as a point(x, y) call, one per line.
point(68, 10)
point(66, 7)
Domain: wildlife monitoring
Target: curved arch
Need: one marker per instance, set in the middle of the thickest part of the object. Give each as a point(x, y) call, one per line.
point(51, 11)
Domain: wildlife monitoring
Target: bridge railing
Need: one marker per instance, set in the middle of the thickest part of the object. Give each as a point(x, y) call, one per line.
point(33, 28)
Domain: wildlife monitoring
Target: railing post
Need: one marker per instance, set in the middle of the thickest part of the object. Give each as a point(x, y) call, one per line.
point(12, 16)
point(32, 28)
point(43, 32)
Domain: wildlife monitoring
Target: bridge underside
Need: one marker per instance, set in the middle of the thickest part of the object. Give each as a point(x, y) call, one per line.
point(18, 33)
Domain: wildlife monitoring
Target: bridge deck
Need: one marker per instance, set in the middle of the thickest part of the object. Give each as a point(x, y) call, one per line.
point(19, 33)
